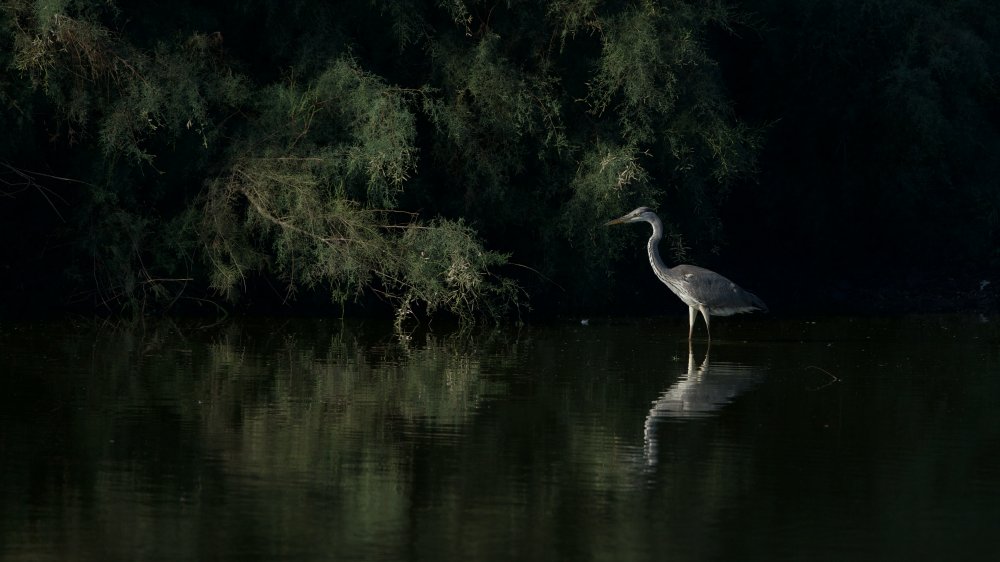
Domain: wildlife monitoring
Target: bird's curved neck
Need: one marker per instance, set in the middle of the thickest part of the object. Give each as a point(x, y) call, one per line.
point(653, 246)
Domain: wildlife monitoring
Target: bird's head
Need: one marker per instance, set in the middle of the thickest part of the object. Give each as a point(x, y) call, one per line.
point(642, 214)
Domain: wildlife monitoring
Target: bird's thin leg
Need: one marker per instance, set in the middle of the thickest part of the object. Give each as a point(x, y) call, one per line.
point(704, 314)
point(692, 315)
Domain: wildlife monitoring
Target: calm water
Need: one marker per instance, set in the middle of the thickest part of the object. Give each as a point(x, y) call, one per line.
point(801, 439)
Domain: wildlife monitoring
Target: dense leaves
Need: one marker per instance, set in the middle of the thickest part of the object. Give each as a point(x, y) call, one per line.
point(361, 148)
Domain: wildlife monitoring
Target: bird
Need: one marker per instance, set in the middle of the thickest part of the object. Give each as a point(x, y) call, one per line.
point(702, 290)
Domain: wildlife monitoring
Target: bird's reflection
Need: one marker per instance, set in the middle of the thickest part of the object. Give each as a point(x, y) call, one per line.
point(699, 393)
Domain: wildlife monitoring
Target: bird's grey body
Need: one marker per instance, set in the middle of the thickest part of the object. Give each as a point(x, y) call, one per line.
point(702, 290)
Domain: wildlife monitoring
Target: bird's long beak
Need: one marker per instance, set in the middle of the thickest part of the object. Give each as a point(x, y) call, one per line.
point(619, 220)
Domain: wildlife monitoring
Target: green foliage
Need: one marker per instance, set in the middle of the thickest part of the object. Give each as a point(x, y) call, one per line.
point(444, 266)
point(319, 240)
point(606, 175)
point(382, 134)
point(324, 140)
point(363, 128)
point(92, 74)
point(492, 119)
point(402, 150)
point(66, 57)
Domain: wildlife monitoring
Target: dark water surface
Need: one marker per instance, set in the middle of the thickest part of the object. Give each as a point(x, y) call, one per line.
point(801, 439)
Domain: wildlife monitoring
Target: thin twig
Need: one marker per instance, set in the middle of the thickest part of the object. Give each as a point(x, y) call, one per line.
point(833, 378)
point(539, 273)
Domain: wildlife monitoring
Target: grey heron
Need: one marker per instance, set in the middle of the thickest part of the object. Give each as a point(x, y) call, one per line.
point(702, 290)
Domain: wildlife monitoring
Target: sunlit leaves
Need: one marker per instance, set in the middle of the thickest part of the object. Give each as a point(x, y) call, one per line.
point(344, 130)
point(318, 239)
point(446, 267)
point(380, 125)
